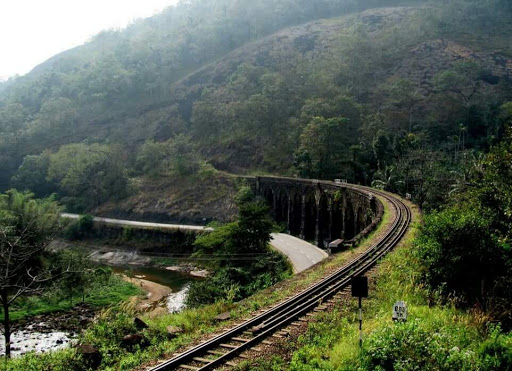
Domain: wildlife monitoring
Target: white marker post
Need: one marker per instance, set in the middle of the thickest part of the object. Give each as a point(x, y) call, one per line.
point(399, 311)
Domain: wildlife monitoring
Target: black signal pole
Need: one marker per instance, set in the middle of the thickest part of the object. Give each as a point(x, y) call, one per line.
point(360, 290)
point(360, 323)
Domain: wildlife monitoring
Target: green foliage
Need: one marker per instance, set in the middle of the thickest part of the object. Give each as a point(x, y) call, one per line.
point(330, 99)
point(64, 360)
point(463, 80)
point(112, 325)
point(415, 345)
point(459, 254)
point(244, 195)
point(492, 191)
point(78, 229)
point(241, 259)
point(96, 286)
point(495, 352)
point(323, 148)
point(433, 338)
point(20, 212)
point(176, 156)
point(88, 175)
point(32, 173)
point(464, 250)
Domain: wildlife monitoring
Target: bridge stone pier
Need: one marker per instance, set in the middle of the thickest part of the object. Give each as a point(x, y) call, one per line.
point(319, 211)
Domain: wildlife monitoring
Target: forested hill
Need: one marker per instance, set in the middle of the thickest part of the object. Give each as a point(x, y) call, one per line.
point(366, 90)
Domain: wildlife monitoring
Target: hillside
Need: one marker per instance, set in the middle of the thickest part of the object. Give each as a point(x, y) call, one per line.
point(304, 91)
point(162, 120)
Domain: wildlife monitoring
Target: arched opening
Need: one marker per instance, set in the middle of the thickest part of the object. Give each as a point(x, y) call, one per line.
point(368, 220)
point(268, 195)
point(295, 214)
point(278, 208)
point(361, 218)
point(282, 207)
point(337, 220)
point(310, 218)
point(349, 222)
point(323, 222)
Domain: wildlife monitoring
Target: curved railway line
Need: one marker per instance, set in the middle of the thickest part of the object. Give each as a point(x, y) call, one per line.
point(220, 349)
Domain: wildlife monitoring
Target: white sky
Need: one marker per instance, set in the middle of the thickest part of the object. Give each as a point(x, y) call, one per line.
point(31, 31)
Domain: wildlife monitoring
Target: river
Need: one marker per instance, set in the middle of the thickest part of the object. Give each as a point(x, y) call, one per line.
point(27, 340)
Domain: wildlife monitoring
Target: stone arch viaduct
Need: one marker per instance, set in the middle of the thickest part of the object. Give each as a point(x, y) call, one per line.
point(319, 211)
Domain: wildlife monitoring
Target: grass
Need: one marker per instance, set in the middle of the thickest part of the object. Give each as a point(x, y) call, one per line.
point(100, 294)
point(196, 323)
point(433, 338)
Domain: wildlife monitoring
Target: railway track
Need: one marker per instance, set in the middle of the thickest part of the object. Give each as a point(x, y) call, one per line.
point(219, 350)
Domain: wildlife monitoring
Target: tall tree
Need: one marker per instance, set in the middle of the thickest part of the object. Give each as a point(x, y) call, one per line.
point(88, 174)
point(27, 226)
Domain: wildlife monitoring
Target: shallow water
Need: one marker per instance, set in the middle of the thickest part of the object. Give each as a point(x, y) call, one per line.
point(27, 341)
point(175, 280)
point(176, 300)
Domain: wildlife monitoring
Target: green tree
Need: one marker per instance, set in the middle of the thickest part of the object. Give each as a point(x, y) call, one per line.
point(242, 261)
point(153, 157)
point(13, 123)
point(461, 81)
point(404, 96)
point(32, 173)
point(324, 147)
point(79, 273)
point(88, 174)
point(27, 226)
point(460, 255)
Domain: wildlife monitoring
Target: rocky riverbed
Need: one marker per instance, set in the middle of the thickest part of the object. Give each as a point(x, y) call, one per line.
point(49, 331)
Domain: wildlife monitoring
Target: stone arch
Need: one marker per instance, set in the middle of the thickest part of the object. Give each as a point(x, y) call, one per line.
point(281, 206)
point(323, 220)
point(349, 221)
point(294, 224)
point(361, 219)
point(268, 195)
point(369, 219)
point(337, 217)
point(310, 215)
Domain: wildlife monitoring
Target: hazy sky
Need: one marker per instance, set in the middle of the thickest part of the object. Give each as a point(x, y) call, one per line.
point(32, 31)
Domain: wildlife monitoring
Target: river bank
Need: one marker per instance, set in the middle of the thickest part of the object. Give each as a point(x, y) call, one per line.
point(161, 291)
point(49, 331)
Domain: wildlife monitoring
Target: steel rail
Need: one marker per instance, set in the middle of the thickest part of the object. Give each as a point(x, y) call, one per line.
point(285, 312)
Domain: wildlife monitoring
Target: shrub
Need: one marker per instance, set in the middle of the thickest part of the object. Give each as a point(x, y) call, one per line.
point(459, 255)
point(495, 353)
point(415, 346)
point(79, 228)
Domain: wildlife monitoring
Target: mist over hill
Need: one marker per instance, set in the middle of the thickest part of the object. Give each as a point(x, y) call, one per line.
point(329, 88)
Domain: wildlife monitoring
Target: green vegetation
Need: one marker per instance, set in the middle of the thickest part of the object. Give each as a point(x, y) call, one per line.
point(27, 226)
point(196, 322)
point(453, 272)
point(464, 249)
point(435, 337)
point(401, 98)
point(242, 261)
point(97, 292)
point(413, 99)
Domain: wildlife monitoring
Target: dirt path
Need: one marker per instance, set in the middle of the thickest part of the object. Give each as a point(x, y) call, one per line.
point(155, 293)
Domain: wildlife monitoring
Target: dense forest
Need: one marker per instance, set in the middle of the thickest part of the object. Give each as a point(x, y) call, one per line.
point(402, 97)
point(413, 97)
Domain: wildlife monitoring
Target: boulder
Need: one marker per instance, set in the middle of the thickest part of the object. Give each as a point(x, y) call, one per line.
point(223, 316)
point(140, 324)
point(173, 331)
point(129, 341)
point(91, 357)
